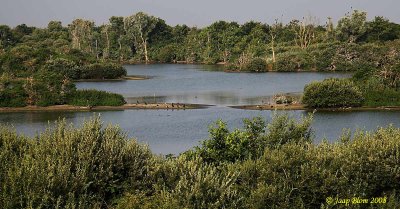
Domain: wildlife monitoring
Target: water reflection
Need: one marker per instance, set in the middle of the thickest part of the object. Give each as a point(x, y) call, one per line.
point(195, 84)
point(168, 131)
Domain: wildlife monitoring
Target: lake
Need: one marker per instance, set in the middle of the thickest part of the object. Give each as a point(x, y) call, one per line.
point(174, 131)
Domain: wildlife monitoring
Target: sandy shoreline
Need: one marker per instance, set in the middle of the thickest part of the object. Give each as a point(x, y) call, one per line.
point(180, 106)
point(125, 78)
point(302, 107)
point(163, 106)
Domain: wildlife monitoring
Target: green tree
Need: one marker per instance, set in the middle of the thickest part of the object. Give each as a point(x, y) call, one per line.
point(6, 37)
point(380, 29)
point(138, 28)
point(82, 34)
point(351, 27)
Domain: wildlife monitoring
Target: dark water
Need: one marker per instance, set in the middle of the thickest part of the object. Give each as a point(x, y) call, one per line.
point(168, 131)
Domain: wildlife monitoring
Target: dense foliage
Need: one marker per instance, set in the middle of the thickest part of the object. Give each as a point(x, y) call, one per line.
point(83, 50)
point(145, 38)
point(66, 167)
point(95, 98)
point(48, 88)
point(332, 93)
point(73, 71)
point(273, 165)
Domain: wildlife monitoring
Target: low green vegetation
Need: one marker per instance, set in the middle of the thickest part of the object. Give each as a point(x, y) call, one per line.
point(72, 71)
point(255, 65)
point(95, 98)
point(332, 93)
point(66, 167)
point(382, 98)
point(264, 165)
point(48, 88)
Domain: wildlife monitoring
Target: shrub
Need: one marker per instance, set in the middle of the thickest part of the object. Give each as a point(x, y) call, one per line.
point(95, 98)
point(250, 143)
point(255, 65)
point(294, 61)
point(66, 167)
point(298, 176)
point(12, 93)
point(63, 66)
point(332, 93)
point(166, 54)
point(97, 167)
point(102, 71)
point(377, 94)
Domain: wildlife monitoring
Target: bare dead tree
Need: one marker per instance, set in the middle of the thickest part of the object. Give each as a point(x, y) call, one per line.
point(273, 31)
point(305, 31)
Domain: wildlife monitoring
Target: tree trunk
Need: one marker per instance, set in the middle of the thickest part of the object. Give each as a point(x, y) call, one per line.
point(273, 52)
point(97, 52)
point(145, 52)
point(121, 56)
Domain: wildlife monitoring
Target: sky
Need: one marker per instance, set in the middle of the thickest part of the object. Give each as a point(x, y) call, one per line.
point(198, 13)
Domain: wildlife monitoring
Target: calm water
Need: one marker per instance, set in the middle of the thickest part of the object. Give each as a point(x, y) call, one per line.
point(176, 131)
point(168, 131)
point(199, 84)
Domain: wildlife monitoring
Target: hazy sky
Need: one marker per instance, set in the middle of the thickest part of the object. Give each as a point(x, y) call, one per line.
point(190, 12)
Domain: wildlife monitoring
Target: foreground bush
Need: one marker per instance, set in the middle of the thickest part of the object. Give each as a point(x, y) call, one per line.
point(332, 93)
point(250, 143)
point(95, 98)
point(66, 167)
point(292, 173)
point(97, 167)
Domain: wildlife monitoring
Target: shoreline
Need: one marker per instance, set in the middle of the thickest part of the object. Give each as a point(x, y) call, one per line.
point(161, 106)
point(302, 107)
point(125, 78)
point(180, 106)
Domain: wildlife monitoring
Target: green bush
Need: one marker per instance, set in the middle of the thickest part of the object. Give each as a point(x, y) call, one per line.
point(64, 67)
point(294, 61)
point(95, 98)
point(166, 54)
point(298, 176)
point(196, 184)
point(48, 88)
point(255, 65)
point(12, 93)
point(250, 143)
point(295, 174)
point(97, 167)
point(377, 94)
point(102, 71)
point(66, 167)
point(379, 98)
point(332, 93)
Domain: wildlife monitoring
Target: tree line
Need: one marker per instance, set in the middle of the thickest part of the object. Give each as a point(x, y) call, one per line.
point(83, 50)
point(145, 38)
